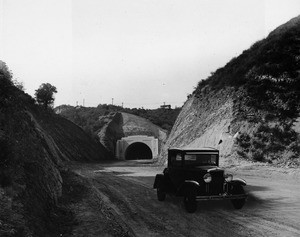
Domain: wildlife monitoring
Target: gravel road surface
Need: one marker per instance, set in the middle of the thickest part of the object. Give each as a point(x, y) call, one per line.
point(272, 207)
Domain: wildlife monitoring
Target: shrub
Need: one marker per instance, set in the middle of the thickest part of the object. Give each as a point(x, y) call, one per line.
point(5, 158)
point(268, 141)
point(258, 156)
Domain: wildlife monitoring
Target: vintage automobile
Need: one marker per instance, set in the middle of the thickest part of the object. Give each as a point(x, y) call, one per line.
point(195, 175)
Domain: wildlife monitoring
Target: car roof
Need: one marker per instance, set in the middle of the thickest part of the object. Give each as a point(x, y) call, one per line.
point(193, 149)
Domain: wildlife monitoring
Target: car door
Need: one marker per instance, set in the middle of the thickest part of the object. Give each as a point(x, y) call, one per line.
point(176, 171)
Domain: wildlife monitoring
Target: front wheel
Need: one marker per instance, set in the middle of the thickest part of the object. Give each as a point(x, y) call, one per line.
point(238, 203)
point(161, 195)
point(190, 203)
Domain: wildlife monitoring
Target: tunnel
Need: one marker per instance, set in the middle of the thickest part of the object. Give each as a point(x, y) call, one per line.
point(138, 151)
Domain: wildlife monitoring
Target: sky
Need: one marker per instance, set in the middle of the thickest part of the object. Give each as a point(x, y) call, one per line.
point(135, 53)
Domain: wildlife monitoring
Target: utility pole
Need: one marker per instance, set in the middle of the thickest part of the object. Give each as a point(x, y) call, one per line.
point(112, 101)
point(122, 105)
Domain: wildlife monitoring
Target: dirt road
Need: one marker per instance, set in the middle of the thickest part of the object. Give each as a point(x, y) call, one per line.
point(272, 208)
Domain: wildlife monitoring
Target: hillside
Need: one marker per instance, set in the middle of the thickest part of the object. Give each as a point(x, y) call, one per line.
point(249, 108)
point(35, 144)
point(87, 117)
point(118, 125)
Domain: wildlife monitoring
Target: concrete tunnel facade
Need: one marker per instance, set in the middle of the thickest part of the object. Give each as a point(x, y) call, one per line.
point(137, 148)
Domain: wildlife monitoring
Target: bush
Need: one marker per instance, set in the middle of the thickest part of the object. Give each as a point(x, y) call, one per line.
point(6, 151)
point(258, 156)
point(268, 142)
point(243, 140)
point(5, 158)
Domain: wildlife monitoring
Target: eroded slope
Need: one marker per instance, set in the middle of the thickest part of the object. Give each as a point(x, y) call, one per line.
point(34, 146)
point(249, 108)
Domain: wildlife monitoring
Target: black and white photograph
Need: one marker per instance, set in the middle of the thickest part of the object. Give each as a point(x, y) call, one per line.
point(137, 118)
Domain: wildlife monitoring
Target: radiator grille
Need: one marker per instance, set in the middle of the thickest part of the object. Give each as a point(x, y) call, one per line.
point(216, 185)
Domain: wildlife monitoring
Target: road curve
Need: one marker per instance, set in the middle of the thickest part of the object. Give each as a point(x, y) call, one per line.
point(272, 207)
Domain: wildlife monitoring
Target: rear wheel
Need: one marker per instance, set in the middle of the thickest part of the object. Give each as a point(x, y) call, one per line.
point(190, 203)
point(238, 203)
point(161, 195)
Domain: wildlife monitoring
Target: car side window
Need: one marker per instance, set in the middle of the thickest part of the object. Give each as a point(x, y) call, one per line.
point(176, 159)
point(214, 159)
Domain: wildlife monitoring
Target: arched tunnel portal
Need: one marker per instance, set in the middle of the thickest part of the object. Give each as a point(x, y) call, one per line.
point(137, 147)
point(138, 151)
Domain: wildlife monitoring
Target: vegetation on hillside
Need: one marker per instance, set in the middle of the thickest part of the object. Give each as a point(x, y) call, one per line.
point(34, 143)
point(268, 80)
point(45, 95)
point(11, 208)
point(88, 117)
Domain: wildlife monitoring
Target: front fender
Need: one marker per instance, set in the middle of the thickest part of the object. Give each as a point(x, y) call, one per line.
point(159, 181)
point(238, 181)
point(187, 187)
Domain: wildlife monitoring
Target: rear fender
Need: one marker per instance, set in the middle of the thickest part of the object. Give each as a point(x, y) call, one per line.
point(159, 181)
point(189, 186)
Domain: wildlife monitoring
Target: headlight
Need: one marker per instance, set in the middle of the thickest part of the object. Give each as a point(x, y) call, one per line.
point(228, 177)
point(207, 178)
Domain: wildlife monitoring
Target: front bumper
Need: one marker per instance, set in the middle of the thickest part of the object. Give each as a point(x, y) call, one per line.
point(222, 197)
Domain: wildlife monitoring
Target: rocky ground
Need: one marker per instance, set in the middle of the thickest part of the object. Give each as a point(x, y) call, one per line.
point(117, 199)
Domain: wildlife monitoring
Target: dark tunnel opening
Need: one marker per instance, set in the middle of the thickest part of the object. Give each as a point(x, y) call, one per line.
point(138, 151)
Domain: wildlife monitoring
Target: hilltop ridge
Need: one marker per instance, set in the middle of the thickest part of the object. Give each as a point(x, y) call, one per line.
point(294, 22)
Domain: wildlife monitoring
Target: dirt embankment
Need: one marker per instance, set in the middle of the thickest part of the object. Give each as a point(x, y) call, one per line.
point(111, 132)
point(222, 119)
point(34, 146)
point(250, 105)
point(205, 121)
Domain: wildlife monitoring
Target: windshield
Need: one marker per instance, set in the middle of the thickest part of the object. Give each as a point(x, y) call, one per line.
point(196, 159)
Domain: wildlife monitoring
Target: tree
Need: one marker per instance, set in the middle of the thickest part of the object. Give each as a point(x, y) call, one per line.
point(45, 94)
point(19, 84)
